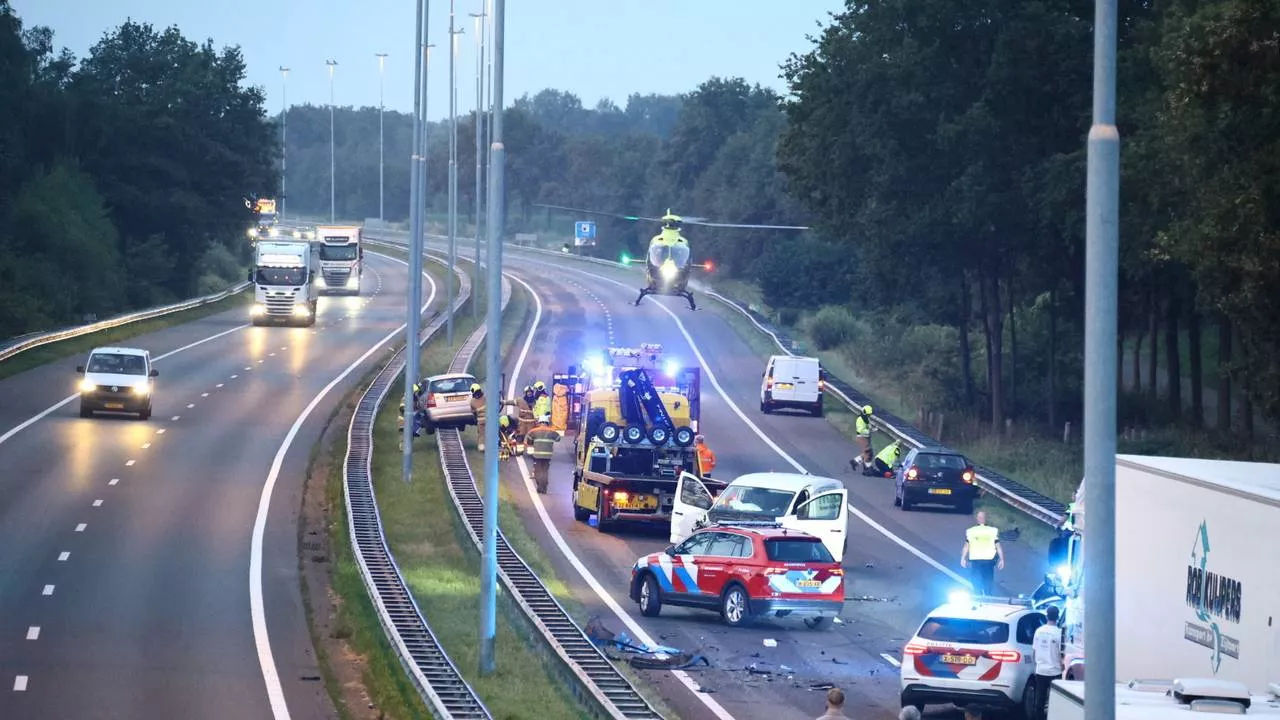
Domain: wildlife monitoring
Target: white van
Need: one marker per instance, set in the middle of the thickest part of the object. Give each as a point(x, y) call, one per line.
point(816, 505)
point(790, 381)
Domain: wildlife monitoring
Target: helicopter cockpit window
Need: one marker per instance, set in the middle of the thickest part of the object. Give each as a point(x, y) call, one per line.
point(678, 254)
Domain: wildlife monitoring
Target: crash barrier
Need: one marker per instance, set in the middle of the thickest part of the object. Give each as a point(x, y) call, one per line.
point(1039, 506)
point(34, 340)
point(605, 687)
point(429, 668)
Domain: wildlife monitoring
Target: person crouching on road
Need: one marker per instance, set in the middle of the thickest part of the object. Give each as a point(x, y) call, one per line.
point(706, 458)
point(542, 442)
point(888, 458)
point(983, 555)
point(478, 403)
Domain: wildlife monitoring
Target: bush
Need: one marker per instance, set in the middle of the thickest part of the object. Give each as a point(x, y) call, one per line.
point(831, 327)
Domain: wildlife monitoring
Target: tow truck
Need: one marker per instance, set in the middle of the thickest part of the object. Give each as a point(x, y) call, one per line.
point(635, 417)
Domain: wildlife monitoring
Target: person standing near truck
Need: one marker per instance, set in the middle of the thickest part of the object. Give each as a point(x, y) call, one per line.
point(1046, 646)
point(542, 443)
point(706, 458)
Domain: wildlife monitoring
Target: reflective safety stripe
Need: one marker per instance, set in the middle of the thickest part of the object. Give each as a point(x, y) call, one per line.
point(862, 427)
point(982, 542)
point(543, 445)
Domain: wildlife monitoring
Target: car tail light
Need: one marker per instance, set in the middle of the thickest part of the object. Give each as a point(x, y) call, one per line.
point(431, 400)
point(822, 384)
point(967, 476)
point(768, 384)
point(915, 648)
point(837, 571)
point(620, 496)
point(913, 472)
point(1009, 656)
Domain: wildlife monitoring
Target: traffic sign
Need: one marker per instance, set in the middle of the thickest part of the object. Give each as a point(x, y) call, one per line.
point(584, 233)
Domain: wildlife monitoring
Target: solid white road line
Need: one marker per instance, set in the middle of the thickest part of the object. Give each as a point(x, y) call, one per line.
point(891, 659)
point(20, 683)
point(270, 675)
point(685, 679)
point(45, 413)
point(33, 632)
point(715, 383)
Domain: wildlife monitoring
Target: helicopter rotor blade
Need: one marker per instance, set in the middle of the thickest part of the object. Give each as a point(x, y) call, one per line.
point(737, 225)
point(632, 218)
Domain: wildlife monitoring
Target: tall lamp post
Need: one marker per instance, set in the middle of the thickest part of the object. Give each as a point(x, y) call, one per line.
point(332, 164)
point(479, 132)
point(453, 164)
point(417, 191)
point(493, 367)
point(284, 124)
point(382, 66)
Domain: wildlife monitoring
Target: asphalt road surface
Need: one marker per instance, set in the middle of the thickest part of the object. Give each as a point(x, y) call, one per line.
point(899, 564)
point(125, 545)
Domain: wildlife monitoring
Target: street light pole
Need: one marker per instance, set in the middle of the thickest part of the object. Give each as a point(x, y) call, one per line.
point(1102, 260)
point(479, 133)
point(453, 164)
point(332, 164)
point(284, 124)
point(417, 190)
point(493, 367)
point(382, 60)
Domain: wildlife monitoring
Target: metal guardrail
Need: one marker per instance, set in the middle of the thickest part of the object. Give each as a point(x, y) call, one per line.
point(26, 342)
point(430, 669)
point(1020, 497)
point(607, 688)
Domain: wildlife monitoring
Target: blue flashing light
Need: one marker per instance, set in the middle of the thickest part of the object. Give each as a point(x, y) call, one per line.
point(1064, 573)
point(672, 367)
point(959, 597)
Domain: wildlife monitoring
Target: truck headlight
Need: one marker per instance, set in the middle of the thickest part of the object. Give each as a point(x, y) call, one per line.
point(320, 283)
point(142, 388)
point(87, 385)
point(257, 310)
point(353, 281)
point(301, 311)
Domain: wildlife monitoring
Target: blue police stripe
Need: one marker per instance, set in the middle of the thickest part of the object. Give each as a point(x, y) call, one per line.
point(687, 579)
point(663, 582)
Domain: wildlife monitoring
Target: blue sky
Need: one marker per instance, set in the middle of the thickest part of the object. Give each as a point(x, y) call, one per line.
point(594, 49)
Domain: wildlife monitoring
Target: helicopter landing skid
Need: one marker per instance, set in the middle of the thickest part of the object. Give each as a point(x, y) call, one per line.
point(686, 295)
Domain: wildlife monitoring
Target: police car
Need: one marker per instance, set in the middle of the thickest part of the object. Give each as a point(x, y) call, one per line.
point(743, 570)
point(973, 650)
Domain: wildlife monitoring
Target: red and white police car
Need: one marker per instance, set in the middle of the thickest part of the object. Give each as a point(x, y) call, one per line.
point(744, 570)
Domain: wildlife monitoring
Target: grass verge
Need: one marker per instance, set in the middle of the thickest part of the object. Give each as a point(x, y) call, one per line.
point(43, 354)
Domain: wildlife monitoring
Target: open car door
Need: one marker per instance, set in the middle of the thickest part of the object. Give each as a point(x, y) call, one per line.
point(825, 516)
point(689, 507)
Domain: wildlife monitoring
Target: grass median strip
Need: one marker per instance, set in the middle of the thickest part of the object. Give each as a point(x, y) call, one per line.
point(43, 354)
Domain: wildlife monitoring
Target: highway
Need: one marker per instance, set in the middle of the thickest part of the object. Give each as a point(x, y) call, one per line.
point(129, 585)
point(899, 564)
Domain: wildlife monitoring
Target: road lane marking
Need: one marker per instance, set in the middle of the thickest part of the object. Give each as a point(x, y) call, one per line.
point(81, 527)
point(233, 377)
point(270, 355)
point(20, 683)
point(48, 590)
point(685, 679)
point(129, 463)
point(190, 405)
point(891, 659)
point(64, 556)
point(204, 394)
point(33, 632)
point(249, 368)
point(161, 431)
point(715, 383)
point(218, 385)
point(257, 608)
point(113, 481)
point(174, 418)
point(97, 503)
point(261, 361)
point(146, 445)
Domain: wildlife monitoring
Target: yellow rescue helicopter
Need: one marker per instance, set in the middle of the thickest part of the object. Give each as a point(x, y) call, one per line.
point(668, 261)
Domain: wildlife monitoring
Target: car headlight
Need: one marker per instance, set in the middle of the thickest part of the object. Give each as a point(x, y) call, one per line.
point(257, 309)
point(87, 385)
point(301, 310)
point(142, 388)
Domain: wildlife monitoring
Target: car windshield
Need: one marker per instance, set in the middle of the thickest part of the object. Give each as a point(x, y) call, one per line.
point(452, 385)
point(117, 364)
point(750, 500)
point(797, 550)
point(968, 631)
point(281, 276)
point(940, 461)
point(338, 252)
point(679, 254)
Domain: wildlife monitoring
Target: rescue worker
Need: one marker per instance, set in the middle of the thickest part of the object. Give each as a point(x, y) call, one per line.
point(542, 404)
point(982, 554)
point(478, 403)
point(418, 415)
point(888, 458)
point(862, 429)
point(506, 441)
point(524, 411)
point(542, 440)
point(706, 458)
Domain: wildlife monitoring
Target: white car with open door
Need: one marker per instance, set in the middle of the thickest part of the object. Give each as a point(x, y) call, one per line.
point(816, 505)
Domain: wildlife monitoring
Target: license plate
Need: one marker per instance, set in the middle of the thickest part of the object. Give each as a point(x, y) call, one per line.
point(939, 491)
point(960, 659)
point(809, 583)
point(786, 386)
point(113, 406)
point(454, 398)
point(644, 502)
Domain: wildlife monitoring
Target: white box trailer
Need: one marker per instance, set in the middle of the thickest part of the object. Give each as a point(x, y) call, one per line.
point(1197, 572)
point(1167, 700)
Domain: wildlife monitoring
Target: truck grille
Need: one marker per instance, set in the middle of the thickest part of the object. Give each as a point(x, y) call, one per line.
point(281, 304)
point(337, 277)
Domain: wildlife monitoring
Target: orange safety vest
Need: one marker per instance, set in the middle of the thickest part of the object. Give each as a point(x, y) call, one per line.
point(706, 459)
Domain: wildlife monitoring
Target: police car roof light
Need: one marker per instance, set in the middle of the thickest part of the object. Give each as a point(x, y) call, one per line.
point(746, 523)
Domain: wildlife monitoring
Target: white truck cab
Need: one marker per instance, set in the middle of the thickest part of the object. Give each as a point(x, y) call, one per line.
point(117, 379)
point(791, 381)
point(341, 259)
point(816, 505)
point(284, 283)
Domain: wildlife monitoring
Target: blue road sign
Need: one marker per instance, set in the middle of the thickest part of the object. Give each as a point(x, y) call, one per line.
point(584, 230)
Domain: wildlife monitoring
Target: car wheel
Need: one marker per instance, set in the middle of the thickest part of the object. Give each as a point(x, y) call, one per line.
point(905, 504)
point(650, 597)
point(602, 524)
point(145, 414)
point(817, 623)
point(897, 499)
point(735, 606)
point(1027, 708)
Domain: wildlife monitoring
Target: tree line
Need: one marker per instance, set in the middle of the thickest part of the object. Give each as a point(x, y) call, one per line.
point(122, 175)
point(938, 150)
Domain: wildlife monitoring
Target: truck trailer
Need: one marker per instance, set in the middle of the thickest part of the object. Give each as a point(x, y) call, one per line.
point(284, 283)
point(1168, 700)
point(341, 259)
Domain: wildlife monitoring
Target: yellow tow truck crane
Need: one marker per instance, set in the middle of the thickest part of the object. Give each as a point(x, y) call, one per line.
point(635, 418)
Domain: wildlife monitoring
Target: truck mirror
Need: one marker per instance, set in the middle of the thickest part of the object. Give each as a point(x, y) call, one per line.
point(250, 276)
point(155, 373)
point(80, 369)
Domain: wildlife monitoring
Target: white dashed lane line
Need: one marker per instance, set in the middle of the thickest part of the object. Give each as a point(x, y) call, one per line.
point(190, 405)
point(891, 659)
point(233, 377)
point(174, 418)
point(81, 527)
point(33, 632)
point(129, 463)
point(204, 394)
point(250, 367)
point(113, 481)
point(48, 590)
point(20, 683)
point(161, 431)
point(97, 503)
point(146, 445)
point(218, 385)
point(64, 556)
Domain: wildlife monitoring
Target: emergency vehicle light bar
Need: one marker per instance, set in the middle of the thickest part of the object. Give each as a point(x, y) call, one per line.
point(744, 523)
point(964, 598)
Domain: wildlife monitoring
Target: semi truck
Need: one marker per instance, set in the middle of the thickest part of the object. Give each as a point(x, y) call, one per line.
point(1197, 585)
point(341, 259)
point(284, 283)
point(267, 220)
point(635, 418)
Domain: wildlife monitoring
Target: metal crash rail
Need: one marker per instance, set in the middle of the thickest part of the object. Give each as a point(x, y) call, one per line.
point(430, 669)
point(26, 342)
